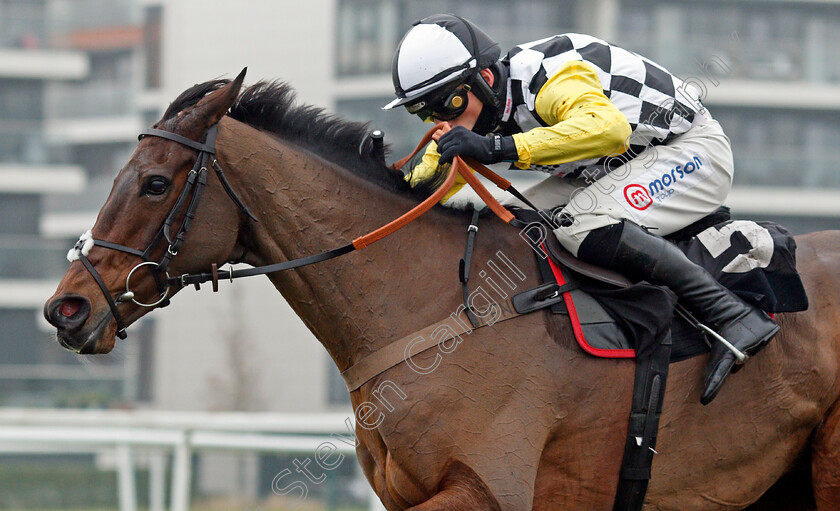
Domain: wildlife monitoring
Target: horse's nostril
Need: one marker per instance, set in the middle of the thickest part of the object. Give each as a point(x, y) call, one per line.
point(68, 313)
point(70, 307)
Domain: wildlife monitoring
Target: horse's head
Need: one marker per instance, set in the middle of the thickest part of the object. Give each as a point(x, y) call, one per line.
point(120, 269)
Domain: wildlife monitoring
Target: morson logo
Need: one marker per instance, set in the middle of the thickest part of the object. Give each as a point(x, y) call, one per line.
point(652, 188)
point(660, 187)
point(637, 196)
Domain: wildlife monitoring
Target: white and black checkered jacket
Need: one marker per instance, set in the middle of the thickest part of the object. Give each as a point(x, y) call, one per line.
point(658, 105)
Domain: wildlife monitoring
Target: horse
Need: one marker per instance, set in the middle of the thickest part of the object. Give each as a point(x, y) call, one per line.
point(514, 416)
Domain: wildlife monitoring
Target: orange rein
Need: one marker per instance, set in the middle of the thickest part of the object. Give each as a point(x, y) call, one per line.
point(459, 166)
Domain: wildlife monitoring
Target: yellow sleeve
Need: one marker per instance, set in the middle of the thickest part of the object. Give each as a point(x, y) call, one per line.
point(429, 174)
point(583, 122)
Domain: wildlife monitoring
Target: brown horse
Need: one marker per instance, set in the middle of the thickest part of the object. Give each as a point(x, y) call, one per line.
point(516, 416)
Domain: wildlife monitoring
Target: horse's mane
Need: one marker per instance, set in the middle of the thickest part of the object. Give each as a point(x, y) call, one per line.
point(272, 107)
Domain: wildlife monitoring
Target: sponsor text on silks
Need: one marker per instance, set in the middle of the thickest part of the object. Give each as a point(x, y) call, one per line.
point(661, 184)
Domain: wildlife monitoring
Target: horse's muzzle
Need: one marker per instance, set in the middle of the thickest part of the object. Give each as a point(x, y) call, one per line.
point(68, 314)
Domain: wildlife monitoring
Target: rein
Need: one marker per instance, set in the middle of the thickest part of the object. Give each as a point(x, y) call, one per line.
point(458, 167)
point(197, 180)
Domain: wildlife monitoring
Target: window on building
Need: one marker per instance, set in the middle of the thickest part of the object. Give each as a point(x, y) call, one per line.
point(781, 147)
point(106, 91)
point(368, 31)
point(21, 100)
point(152, 36)
point(21, 113)
point(21, 142)
point(756, 40)
point(20, 212)
point(27, 256)
point(366, 35)
point(23, 23)
point(67, 16)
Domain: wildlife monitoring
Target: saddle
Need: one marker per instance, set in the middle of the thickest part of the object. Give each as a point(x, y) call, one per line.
point(613, 317)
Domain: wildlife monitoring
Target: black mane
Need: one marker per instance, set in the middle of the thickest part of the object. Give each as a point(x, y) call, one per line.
point(272, 107)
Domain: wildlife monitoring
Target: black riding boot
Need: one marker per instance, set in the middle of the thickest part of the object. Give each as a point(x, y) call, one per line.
point(644, 256)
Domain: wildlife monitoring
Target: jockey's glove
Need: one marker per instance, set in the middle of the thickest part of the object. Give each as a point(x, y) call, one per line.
point(459, 141)
point(427, 178)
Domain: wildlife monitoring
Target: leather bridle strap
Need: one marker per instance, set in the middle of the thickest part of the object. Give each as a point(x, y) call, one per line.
point(465, 264)
point(200, 278)
point(235, 198)
point(193, 189)
point(491, 176)
point(208, 147)
point(206, 150)
point(159, 280)
point(357, 244)
point(414, 214)
point(458, 167)
point(112, 304)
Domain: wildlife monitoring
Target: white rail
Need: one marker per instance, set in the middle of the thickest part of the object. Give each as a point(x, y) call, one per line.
point(24, 430)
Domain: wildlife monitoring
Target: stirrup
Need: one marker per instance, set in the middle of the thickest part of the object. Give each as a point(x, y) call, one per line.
point(740, 356)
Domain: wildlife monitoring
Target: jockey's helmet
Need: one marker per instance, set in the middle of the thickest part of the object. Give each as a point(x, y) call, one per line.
point(438, 56)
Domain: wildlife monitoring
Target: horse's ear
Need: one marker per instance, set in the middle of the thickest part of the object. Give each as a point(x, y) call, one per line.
point(214, 106)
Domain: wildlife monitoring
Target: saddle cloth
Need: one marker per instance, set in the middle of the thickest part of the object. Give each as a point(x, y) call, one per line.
point(614, 318)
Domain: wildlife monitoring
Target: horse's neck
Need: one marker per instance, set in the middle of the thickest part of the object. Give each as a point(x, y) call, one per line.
point(361, 301)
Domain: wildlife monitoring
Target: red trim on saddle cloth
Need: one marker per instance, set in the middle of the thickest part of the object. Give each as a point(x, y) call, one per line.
point(573, 317)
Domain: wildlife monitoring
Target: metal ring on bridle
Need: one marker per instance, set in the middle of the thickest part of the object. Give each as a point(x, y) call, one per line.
point(163, 295)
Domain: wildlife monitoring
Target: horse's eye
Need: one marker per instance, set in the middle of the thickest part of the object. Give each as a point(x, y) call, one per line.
point(156, 185)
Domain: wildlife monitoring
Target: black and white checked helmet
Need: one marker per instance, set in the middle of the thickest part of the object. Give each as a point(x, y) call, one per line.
point(440, 51)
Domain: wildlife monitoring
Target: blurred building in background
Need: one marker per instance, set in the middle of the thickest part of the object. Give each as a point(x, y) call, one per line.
point(66, 121)
point(80, 78)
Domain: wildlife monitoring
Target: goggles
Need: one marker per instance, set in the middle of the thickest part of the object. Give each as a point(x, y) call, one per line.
point(445, 108)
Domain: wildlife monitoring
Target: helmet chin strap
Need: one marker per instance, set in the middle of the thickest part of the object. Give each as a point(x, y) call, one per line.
point(487, 94)
point(492, 99)
point(487, 120)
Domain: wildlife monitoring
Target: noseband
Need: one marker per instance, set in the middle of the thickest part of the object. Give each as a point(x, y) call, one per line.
point(187, 203)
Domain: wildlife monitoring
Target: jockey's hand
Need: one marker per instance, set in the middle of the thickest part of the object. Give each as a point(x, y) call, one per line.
point(459, 141)
point(427, 178)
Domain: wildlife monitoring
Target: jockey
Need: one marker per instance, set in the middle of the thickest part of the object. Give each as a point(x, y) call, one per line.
point(631, 152)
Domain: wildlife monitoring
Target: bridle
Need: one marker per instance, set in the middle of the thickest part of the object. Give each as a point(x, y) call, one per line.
point(193, 189)
point(187, 203)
